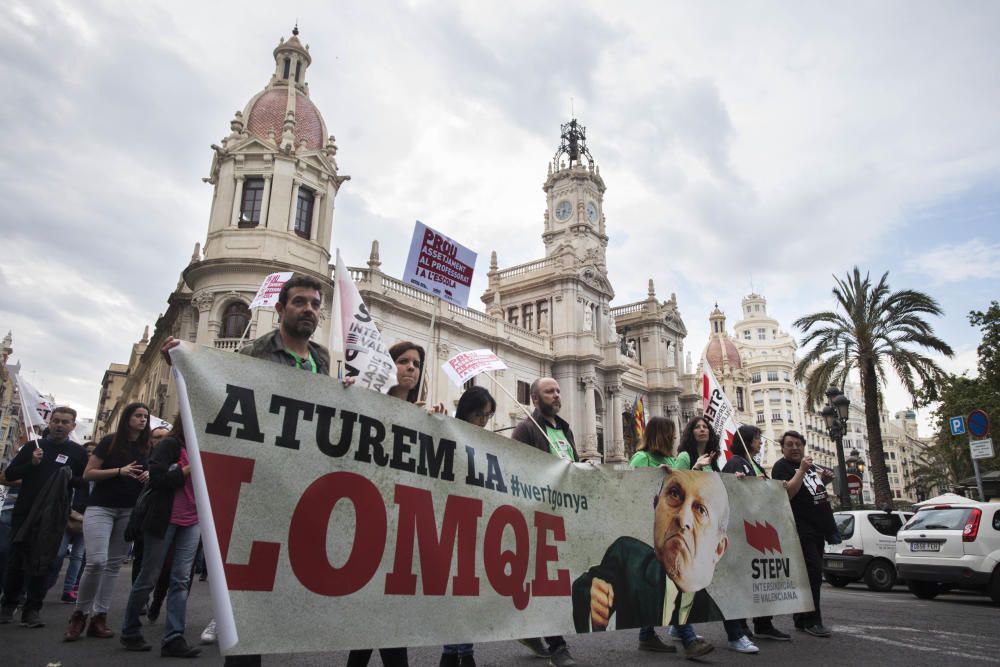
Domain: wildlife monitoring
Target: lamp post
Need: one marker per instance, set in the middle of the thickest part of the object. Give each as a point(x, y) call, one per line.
point(835, 414)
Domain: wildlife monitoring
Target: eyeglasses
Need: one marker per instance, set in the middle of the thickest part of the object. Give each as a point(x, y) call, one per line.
point(482, 415)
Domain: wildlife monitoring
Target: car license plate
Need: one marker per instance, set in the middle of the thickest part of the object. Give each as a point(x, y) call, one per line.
point(835, 564)
point(925, 546)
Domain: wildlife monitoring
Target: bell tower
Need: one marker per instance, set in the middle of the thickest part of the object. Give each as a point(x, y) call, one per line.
point(574, 193)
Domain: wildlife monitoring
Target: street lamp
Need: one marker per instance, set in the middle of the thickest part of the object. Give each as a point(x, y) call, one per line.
point(835, 414)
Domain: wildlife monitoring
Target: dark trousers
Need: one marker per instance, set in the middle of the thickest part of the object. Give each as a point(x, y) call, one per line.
point(16, 579)
point(554, 642)
point(812, 551)
point(391, 657)
point(242, 661)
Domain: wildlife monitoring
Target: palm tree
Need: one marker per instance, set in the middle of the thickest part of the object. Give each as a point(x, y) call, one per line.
point(869, 332)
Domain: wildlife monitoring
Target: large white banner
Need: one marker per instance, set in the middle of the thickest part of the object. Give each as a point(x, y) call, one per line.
point(374, 523)
point(439, 265)
point(366, 358)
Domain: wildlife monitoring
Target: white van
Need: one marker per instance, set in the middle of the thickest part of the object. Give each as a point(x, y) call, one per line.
point(867, 549)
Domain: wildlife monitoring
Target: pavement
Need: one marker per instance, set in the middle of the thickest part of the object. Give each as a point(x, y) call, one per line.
point(886, 629)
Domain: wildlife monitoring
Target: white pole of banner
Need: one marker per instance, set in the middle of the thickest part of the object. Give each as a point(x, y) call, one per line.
point(428, 363)
point(525, 409)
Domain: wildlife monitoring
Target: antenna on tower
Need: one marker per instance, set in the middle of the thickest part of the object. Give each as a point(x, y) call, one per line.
point(572, 111)
point(752, 291)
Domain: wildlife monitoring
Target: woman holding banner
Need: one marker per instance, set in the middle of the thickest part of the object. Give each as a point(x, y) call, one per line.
point(477, 407)
point(657, 449)
point(745, 447)
point(409, 360)
point(118, 470)
point(700, 444)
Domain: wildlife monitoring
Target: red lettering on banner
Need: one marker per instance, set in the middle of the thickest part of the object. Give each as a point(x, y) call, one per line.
point(495, 561)
point(546, 553)
point(308, 532)
point(416, 520)
point(224, 475)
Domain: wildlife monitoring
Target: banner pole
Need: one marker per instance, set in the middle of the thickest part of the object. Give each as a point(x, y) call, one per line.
point(524, 408)
point(422, 393)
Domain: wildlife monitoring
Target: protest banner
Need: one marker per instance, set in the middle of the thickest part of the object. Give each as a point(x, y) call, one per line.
point(269, 291)
point(366, 357)
point(439, 266)
point(371, 523)
point(466, 365)
point(718, 410)
point(36, 409)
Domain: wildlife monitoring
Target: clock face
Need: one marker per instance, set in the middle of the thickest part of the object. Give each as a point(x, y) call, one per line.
point(563, 209)
point(592, 212)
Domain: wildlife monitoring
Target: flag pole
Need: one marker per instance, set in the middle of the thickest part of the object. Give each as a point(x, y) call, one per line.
point(524, 408)
point(422, 392)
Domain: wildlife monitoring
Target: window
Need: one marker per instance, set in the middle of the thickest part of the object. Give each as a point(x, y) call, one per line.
point(761, 334)
point(789, 415)
point(469, 385)
point(739, 398)
point(235, 319)
point(760, 417)
point(746, 334)
point(775, 395)
point(512, 314)
point(755, 377)
point(898, 494)
point(528, 313)
point(892, 455)
point(996, 520)
point(786, 376)
point(298, 70)
point(304, 213)
point(887, 524)
point(523, 393)
point(845, 524)
point(775, 417)
point(253, 195)
point(288, 65)
point(772, 376)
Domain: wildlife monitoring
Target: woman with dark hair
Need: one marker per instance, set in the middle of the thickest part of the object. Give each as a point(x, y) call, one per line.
point(746, 445)
point(118, 470)
point(476, 406)
point(171, 518)
point(700, 443)
point(409, 359)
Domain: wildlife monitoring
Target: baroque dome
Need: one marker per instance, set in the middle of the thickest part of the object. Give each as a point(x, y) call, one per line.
point(267, 114)
point(715, 355)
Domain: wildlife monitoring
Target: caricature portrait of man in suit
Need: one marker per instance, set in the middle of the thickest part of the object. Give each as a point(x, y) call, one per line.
point(664, 584)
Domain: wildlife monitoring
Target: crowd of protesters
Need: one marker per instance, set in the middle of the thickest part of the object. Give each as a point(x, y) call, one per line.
point(133, 493)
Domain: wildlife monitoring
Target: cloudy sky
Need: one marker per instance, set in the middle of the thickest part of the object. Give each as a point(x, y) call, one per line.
point(754, 144)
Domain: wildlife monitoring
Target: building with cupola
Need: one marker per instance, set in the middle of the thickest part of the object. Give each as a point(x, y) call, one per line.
point(275, 179)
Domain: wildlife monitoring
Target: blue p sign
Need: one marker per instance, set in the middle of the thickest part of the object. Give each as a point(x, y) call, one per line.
point(957, 425)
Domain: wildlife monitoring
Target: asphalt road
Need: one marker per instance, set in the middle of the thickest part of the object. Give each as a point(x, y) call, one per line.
point(885, 629)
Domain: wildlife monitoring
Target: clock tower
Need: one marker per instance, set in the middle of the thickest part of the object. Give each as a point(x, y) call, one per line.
point(574, 192)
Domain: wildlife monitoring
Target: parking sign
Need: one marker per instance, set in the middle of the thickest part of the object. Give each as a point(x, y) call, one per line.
point(957, 425)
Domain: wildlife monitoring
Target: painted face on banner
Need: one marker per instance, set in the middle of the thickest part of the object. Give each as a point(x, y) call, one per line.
point(300, 315)
point(689, 527)
point(548, 399)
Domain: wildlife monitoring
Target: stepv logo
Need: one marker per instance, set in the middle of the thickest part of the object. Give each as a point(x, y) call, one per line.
point(764, 538)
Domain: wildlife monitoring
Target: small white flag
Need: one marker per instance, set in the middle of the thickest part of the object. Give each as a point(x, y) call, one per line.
point(270, 290)
point(466, 365)
point(366, 356)
point(717, 409)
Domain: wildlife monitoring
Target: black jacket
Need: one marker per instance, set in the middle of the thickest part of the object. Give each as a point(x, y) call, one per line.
point(165, 477)
point(43, 529)
point(529, 434)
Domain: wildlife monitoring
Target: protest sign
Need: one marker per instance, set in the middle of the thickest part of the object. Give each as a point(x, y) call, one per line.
point(718, 410)
point(440, 266)
point(376, 523)
point(466, 365)
point(270, 290)
point(366, 357)
point(36, 408)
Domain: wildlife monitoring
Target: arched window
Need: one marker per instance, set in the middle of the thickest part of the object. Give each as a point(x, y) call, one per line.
point(235, 320)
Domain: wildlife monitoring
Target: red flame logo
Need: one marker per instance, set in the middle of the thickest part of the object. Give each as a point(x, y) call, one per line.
point(762, 537)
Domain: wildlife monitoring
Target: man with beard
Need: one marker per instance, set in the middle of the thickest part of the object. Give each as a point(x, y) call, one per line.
point(664, 584)
point(557, 439)
point(298, 307)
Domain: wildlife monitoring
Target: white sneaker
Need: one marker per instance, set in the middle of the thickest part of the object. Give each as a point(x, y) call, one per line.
point(208, 634)
point(675, 634)
point(743, 645)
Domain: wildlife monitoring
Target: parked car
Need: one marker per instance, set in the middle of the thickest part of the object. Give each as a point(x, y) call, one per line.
point(867, 549)
point(953, 545)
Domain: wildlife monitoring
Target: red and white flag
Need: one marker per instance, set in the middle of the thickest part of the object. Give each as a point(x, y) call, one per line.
point(466, 365)
point(717, 408)
point(366, 357)
point(270, 290)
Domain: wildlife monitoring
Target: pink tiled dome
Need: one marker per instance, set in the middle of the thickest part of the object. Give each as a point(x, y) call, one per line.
point(714, 354)
point(268, 114)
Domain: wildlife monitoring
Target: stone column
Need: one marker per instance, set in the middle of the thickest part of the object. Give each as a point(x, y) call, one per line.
point(587, 449)
point(615, 453)
point(265, 201)
point(237, 202)
point(203, 302)
point(314, 225)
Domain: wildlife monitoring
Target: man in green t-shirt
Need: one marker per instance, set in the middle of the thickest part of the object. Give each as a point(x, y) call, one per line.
point(558, 441)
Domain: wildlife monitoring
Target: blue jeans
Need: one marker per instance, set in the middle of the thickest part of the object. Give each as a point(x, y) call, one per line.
point(185, 540)
point(458, 649)
point(734, 629)
point(72, 544)
point(687, 633)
